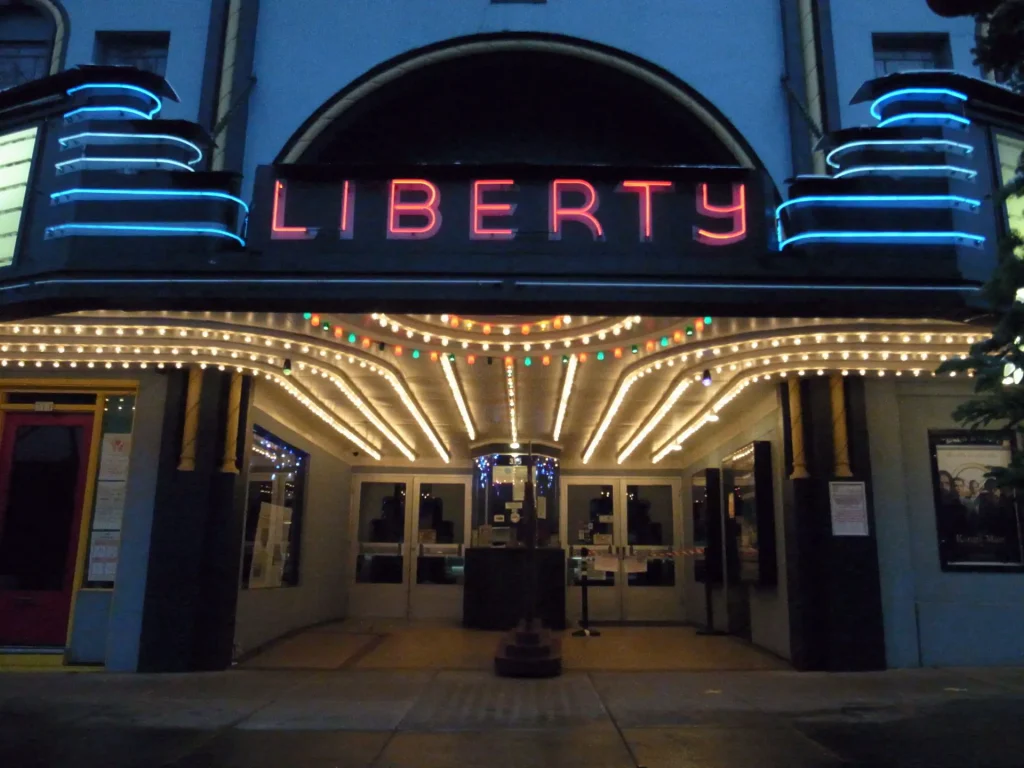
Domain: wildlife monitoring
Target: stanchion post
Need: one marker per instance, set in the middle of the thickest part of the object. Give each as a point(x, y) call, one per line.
point(585, 630)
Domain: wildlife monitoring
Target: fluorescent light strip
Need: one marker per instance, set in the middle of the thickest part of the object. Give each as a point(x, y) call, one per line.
point(510, 393)
point(702, 420)
point(792, 336)
point(956, 146)
point(157, 162)
point(143, 230)
point(945, 170)
point(300, 393)
point(932, 116)
point(460, 401)
point(213, 343)
point(368, 412)
point(609, 415)
point(155, 194)
point(894, 201)
point(411, 406)
point(133, 138)
point(890, 237)
point(296, 340)
point(119, 113)
point(655, 420)
point(563, 403)
point(925, 92)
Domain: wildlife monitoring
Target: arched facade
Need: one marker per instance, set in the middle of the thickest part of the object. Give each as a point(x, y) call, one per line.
point(518, 62)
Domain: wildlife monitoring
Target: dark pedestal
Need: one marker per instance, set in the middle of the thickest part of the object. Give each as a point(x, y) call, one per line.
point(494, 595)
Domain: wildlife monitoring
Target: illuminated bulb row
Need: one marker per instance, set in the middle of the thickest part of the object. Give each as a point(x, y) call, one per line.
point(563, 403)
point(428, 336)
point(460, 401)
point(734, 391)
point(698, 354)
point(510, 392)
point(659, 415)
point(304, 348)
point(304, 398)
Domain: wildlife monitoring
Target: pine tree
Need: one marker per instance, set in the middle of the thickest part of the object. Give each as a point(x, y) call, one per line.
point(998, 361)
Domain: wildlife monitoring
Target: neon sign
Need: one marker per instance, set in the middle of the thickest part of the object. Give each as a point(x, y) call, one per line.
point(416, 210)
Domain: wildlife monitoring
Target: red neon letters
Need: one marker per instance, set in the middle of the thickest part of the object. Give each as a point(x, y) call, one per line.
point(414, 210)
point(583, 214)
point(737, 211)
point(480, 210)
point(428, 209)
point(278, 231)
point(644, 189)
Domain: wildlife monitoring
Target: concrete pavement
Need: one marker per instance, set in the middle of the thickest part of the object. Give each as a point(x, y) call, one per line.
point(440, 718)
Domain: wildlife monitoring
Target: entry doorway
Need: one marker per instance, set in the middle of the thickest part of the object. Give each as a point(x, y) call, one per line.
point(409, 535)
point(44, 462)
point(633, 527)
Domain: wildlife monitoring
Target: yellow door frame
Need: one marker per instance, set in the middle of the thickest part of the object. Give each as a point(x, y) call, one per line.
point(101, 388)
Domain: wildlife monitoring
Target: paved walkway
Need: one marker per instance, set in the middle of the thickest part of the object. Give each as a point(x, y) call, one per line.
point(389, 644)
point(465, 718)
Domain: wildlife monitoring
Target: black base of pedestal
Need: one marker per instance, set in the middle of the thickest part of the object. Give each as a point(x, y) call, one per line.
point(529, 650)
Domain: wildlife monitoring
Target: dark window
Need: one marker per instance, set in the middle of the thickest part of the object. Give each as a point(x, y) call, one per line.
point(26, 43)
point(143, 50)
point(21, 61)
point(57, 398)
point(273, 512)
point(903, 53)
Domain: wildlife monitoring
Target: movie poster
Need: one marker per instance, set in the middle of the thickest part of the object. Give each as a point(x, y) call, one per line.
point(978, 523)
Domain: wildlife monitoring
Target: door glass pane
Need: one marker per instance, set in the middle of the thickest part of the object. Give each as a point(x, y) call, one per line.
point(442, 520)
point(35, 525)
point(591, 522)
point(381, 523)
point(650, 522)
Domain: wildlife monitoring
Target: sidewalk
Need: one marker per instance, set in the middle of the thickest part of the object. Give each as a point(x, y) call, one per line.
point(430, 718)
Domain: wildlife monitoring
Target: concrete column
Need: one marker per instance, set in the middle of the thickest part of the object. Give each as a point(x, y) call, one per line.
point(229, 463)
point(796, 428)
point(840, 440)
point(187, 462)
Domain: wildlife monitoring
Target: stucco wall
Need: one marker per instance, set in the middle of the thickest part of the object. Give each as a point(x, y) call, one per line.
point(853, 23)
point(730, 51)
point(264, 614)
point(931, 618)
point(186, 20)
point(758, 418)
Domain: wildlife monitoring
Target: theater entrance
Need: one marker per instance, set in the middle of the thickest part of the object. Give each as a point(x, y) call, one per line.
point(409, 534)
point(633, 529)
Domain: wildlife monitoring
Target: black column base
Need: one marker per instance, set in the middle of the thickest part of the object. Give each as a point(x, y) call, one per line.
point(529, 650)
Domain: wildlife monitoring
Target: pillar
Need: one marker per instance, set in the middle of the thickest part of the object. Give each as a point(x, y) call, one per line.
point(191, 589)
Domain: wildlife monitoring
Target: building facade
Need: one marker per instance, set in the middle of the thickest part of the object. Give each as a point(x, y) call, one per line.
point(312, 314)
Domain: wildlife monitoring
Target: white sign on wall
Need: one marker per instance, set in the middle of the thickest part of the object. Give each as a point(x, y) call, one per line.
point(849, 504)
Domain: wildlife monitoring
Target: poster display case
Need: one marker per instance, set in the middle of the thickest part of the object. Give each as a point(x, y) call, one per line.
point(750, 512)
point(978, 522)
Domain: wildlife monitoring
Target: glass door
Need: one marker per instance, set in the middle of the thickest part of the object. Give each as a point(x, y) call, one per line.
point(382, 543)
point(441, 521)
point(652, 532)
point(588, 519)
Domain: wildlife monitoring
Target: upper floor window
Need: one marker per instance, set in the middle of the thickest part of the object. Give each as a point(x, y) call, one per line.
point(1008, 152)
point(26, 43)
point(903, 53)
point(144, 50)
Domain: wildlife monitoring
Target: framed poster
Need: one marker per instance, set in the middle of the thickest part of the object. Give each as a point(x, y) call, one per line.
point(978, 523)
point(750, 512)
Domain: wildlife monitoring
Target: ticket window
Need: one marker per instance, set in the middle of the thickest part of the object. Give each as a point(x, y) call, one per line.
point(499, 496)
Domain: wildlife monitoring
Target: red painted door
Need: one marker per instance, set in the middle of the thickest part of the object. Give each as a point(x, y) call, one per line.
point(44, 458)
